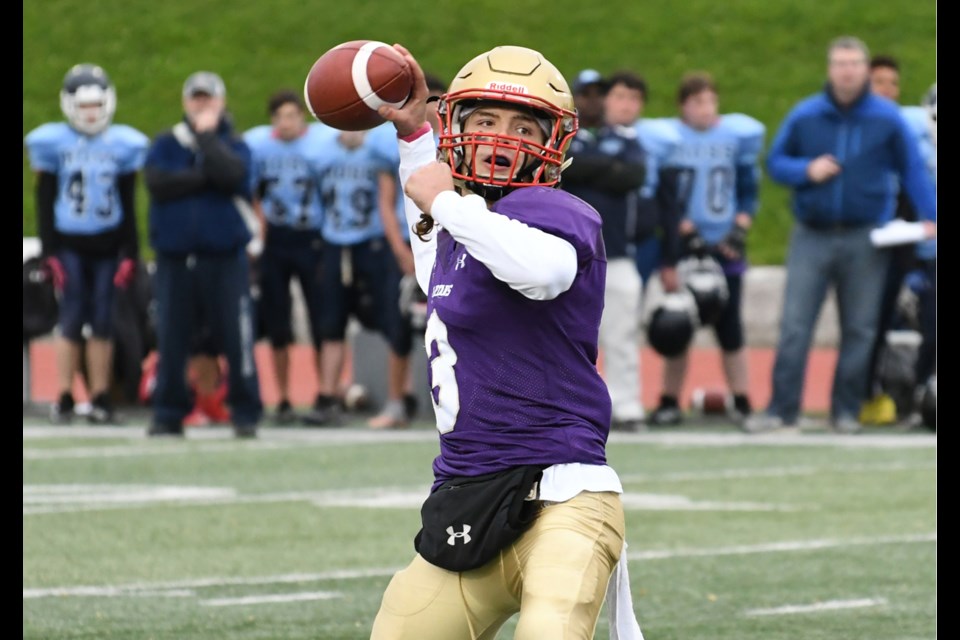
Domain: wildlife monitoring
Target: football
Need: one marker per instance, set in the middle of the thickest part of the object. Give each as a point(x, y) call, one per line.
point(708, 402)
point(348, 83)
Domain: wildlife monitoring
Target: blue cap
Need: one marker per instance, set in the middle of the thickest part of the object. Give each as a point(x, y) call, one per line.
point(589, 77)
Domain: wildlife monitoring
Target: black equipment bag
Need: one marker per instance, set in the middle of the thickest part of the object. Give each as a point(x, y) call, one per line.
point(468, 520)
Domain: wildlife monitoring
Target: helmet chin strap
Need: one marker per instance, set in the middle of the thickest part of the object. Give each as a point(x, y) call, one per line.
point(495, 192)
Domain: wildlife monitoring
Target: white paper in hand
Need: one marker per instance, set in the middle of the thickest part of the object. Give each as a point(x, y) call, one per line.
point(897, 232)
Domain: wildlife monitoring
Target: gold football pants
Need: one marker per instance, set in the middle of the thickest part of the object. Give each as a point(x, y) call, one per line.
point(555, 575)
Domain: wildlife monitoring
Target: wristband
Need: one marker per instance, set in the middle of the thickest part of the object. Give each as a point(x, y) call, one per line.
point(424, 128)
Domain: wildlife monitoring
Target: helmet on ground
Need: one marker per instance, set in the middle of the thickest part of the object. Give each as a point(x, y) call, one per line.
point(673, 323)
point(705, 279)
point(88, 99)
point(520, 78)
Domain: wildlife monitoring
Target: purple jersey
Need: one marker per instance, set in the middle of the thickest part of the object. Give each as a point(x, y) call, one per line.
point(515, 380)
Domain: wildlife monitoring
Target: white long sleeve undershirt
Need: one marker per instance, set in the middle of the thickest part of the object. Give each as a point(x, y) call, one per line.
point(534, 263)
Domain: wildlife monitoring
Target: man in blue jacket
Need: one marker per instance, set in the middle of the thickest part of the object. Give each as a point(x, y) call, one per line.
point(843, 152)
point(201, 221)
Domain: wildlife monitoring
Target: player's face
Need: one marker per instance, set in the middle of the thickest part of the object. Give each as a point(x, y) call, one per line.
point(885, 82)
point(90, 112)
point(489, 159)
point(848, 72)
point(288, 121)
point(700, 110)
point(622, 105)
point(197, 103)
point(589, 103)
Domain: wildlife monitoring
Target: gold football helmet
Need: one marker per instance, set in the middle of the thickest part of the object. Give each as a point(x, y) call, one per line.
point(519, 77)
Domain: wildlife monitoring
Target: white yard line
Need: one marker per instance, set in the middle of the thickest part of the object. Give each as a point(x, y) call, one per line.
point(137, 588)
point(219, 436)
point(780, 547)
point(817, 607)
point(271, 599)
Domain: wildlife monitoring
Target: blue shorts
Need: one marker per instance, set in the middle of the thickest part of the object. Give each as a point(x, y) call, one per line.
point(729, 326)
point(363, 280)
point(279, 265)
point(87, 296)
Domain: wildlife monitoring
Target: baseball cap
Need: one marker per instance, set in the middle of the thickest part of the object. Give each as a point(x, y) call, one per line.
point(589, 77)
point(204, 82)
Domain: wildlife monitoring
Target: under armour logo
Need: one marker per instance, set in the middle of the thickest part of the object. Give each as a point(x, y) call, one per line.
point(454, 534)
point(461, 261)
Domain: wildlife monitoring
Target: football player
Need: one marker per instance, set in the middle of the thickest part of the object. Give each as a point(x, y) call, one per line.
point(514, 269)
point(286, 188)
point(608, 169)
point(402, 317)
point(357, 260)
point(86, 181)
point(881, 405)
point(718, 180)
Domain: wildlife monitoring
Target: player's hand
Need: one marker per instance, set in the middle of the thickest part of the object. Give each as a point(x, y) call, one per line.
point(126, 272)
point(413, 115)
point(823, 168)
point(208, 118)
point(693, 244)
point(427, 183)
point(734, 245)
point(57, 273)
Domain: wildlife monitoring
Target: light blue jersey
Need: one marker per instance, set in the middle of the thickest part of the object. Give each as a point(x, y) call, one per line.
point(720, 172)
point(87, 168)
point(659, 139)
point(918, 121)
point(286, 175)
point(350, 186)
point(383, 141)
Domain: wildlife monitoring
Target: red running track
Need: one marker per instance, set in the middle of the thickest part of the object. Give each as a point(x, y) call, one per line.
point(705, 372)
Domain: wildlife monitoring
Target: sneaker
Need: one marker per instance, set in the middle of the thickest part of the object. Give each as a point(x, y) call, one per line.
point(61, 411)
point(165, 430)
point(668, 414)
point(630, 425)
point(767, 423)
point(284, 414)
point(214, 408)
point(101, 412)
point(846, 425)
point(879, 410)
point(196, 418)
point(393, 416)
point(245, 431)
point(740, 410)
point(324, 413)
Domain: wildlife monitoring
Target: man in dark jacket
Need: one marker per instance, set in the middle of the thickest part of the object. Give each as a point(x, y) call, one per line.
point(843, 152)
point(198, 176)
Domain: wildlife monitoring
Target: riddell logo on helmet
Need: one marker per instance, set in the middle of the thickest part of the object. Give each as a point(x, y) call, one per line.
point(506, 86)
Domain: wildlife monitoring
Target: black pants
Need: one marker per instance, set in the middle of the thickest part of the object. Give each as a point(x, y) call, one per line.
point(197, 293)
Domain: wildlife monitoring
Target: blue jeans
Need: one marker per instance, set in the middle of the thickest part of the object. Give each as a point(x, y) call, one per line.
point(817, 260)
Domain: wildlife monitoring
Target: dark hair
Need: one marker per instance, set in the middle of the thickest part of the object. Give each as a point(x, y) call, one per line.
point(693, 83)
point(434, 83)
point(882, 60)
point(282, 97)
point(630, 80)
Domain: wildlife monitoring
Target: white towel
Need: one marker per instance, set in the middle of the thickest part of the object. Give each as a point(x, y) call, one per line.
point(623, 619)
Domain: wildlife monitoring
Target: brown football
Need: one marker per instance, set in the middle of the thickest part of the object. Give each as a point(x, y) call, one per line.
point(348, 83)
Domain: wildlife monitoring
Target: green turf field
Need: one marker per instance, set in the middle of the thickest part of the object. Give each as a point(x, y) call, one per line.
point(296, 534)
